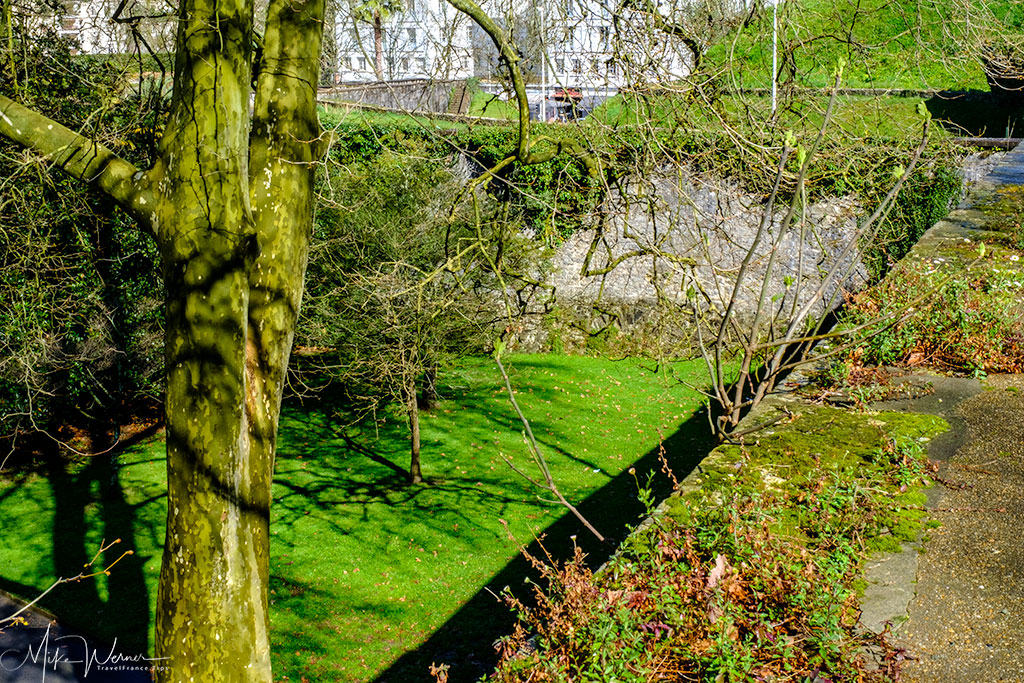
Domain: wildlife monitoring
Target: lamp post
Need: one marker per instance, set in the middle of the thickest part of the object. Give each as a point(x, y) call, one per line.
point(543, 68)
point(775, 53)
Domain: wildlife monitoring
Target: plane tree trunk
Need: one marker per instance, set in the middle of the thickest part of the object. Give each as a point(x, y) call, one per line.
point(229, 201)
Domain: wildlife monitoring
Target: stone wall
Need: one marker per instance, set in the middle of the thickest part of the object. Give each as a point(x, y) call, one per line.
point(422, 94)
point(677, 241)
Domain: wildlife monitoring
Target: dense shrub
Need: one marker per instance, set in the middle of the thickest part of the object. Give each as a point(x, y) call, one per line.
point(80, 312)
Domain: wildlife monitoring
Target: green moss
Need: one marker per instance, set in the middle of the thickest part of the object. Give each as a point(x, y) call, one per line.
point(860, 471)
point(827, 473)
point(788, 515)
point(821, 439)
point(1005, 214)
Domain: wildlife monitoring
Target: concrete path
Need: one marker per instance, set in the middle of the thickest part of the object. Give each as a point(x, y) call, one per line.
point(955, 601)
point(966, 622)
point(44, 652)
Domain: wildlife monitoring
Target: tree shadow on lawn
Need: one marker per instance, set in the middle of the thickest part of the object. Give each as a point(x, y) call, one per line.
point(77, 493)
point(347, 475)
point(341, 482)
point(466, 641)
point(338, 471)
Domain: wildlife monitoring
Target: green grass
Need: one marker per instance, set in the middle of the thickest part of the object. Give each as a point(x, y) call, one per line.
point(365, 568)
point(485, 104)
point(332, 115)
point(884, 44)
point(855, 116)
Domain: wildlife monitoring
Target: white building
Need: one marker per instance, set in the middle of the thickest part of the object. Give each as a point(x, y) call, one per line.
point(578, 44)
point(428, 39)
point(569, 43)
point(113, 27)
point(572, 43)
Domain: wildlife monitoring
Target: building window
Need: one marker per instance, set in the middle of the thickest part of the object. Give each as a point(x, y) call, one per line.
point(605, 33)
point(577, 66)
point(405, 63)
point(421, 64)
point(412, 34)
point(559, 64)
point(362, 63)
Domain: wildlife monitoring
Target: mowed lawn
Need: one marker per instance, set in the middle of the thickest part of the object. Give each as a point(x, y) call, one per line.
point(365, 568)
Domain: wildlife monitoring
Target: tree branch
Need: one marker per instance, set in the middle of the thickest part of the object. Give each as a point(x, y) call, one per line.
point(525, 153)
point(80, 157)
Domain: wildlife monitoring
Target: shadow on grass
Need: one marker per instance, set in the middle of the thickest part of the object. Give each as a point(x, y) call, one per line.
point(77, 494)
point(327, 479)
point(978, 113)
point(466, 641)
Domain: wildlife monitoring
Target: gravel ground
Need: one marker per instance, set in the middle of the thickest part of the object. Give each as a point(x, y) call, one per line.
point(966, 622)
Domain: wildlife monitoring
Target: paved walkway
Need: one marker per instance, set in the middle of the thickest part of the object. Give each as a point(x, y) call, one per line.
point(44, 652)
point(956, 601)
point(966, 622)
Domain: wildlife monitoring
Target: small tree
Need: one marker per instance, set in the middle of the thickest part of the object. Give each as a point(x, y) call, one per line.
point(398, 286)
point(376, 12)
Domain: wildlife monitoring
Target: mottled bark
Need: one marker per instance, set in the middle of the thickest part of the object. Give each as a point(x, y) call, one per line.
point(234, 270)
point(80, 157)
point(230, 203)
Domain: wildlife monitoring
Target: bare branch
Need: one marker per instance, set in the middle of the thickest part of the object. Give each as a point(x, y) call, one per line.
point(538, 457)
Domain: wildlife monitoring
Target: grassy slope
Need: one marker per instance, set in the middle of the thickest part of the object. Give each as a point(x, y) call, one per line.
point(484, 104)
point(364, 567)
point(916, 44)
point(858, 117)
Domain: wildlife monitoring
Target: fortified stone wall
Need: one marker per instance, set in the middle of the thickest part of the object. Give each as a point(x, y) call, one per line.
point(422, 94)
point(673, 244)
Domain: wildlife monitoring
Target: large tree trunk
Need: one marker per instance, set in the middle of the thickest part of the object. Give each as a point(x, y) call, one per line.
point(211, 621)
point(231, 206)
point(234, 258)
